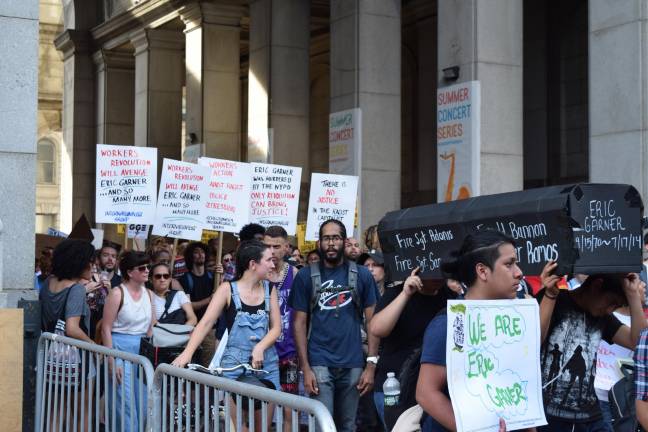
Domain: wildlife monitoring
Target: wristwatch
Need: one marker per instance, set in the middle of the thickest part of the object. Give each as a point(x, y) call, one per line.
point(372, 359)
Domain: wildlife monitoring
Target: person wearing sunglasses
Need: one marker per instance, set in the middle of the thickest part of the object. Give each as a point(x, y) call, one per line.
point(179, 310)
point(128, 316)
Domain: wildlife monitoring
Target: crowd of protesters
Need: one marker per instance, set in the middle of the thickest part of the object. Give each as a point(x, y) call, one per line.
point(329, 321)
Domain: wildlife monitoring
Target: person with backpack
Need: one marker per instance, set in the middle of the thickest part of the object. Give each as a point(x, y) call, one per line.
point(171, 306)
point(329, 300)
point(487, 264)
point(641, 380)
point(402, 315)
point(64, 311)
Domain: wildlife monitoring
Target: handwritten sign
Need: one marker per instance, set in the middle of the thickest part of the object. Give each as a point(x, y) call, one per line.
point(345, 140)
point(274, 198)
point(458, 141)
point(493, 364)
point(553, 223)
point(228, 202)
point(138, 231)
point(125, 184)
point(181, 205)
point(331, 196)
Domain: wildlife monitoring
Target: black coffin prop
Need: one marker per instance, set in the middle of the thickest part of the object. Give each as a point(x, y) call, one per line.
point(588, 228)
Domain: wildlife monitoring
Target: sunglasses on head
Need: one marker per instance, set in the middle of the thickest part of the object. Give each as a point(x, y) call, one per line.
point(159, 276)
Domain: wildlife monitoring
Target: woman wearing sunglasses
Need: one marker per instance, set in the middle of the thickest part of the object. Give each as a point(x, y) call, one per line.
point(128, 316)
point(180, 310)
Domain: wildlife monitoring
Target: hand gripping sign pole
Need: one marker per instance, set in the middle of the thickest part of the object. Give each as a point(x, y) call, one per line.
point(219, 260)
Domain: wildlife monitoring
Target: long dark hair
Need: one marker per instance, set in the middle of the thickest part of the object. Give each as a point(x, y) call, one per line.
point(480, 247)
point(251, 250)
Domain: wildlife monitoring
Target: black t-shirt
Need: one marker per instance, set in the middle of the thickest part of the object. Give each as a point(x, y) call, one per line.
point(407, 334)
point(568, 360)
point(230, 312)
point(198, 287)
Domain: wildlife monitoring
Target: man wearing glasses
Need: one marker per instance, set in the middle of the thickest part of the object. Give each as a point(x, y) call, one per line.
point(335, 295)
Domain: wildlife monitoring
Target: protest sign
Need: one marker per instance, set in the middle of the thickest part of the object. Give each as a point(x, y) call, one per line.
point(458, 141)
point(181, 206)
point(138, 231)
point(275, 195)
point(493, 364)
point(125, 184)
point(345, 141)
point(331, 197)
point(587, 228)
point(227, 205)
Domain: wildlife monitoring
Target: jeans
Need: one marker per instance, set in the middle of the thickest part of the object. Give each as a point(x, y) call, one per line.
point(338, 393)
point(555, 425)
point(607, 414)
point(379, 401)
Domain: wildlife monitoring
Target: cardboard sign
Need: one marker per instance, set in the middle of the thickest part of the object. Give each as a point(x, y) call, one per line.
point(138, 231)
point(331, 197)
point(458, 141)
point(493, 364)
point(568, 224)
point(125, 184)
point(345, 140)
point(181, 200)
point(227, 206)
point(275, 195)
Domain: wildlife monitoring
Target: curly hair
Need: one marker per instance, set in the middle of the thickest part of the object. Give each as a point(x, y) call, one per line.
point(188, 253)
point(71, 258)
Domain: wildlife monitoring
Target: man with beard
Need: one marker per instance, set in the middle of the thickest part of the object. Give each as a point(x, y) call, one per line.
point(334, 295)
point(198, 284)
point(352, 249)
point(106, 279)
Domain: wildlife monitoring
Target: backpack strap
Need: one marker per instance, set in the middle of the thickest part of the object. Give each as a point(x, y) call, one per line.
point(235, 297)
point(121, 300)
point(190, 282)
point(316, 287)
point(352, 279)
point(167, 304)
point(266, 287)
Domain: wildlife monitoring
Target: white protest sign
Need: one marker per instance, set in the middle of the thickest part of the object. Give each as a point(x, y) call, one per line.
point(345, 140)
point(181, 200)
point(138, 231)
point(275, 195)
point(125, 184)
point(331, 197)
point(458, 141)
point(493, 364)
point(228, 201)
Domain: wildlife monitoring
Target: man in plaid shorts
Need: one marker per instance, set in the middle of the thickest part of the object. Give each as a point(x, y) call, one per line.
point(641, 379)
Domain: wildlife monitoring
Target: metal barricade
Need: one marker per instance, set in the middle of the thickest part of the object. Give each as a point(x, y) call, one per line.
point(87, 387)
point(187, 400)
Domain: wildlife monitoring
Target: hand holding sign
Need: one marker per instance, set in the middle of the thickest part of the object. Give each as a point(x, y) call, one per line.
point(413, 283)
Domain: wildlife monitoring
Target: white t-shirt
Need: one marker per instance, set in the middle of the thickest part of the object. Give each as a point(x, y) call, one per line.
point(179, 299)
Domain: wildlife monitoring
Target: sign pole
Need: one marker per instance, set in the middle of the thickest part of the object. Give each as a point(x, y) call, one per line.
point(173, 256)
point(126, 237)
point(219, 259)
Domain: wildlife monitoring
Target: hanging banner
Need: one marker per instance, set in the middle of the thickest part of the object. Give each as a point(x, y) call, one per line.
point(275, 195)
point(493, 364)
point(227, 206)
point(125, 184)
point(331, 197)
point(181, 200)
point(458, 141)
point(345, 140)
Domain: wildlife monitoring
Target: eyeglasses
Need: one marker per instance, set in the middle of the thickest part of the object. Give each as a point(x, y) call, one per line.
point(332, 239)
point(227, 259)
point(159, 276)
point(142, 268)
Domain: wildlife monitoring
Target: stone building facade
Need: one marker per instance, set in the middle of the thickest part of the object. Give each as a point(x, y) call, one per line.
point(562, 87)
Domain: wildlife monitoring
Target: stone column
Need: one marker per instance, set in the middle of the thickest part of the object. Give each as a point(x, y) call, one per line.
point(366, 73)
point(212, 61)
point(485, 40)
point(279, 84)
point(158, 91)
point(115, 96)
point(618, 93)
point(78, 190)
point(18, 108)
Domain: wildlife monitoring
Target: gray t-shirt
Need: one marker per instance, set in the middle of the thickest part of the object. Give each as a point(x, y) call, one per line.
point(52, 306)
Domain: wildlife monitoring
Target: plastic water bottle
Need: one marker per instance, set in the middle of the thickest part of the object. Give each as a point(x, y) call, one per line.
point(391, 389)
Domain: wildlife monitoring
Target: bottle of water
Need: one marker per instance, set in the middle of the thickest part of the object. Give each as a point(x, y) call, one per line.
point(391, 389)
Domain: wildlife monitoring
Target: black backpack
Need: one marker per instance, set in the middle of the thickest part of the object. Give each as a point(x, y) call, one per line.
point(177, 316)
point(407, 378)
point(622, 402)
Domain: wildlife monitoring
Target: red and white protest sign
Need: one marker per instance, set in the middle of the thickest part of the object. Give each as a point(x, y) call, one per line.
point(125, 184)
point(275, 195)
point(332, 196)
point(227, 206)
point(181, 200)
